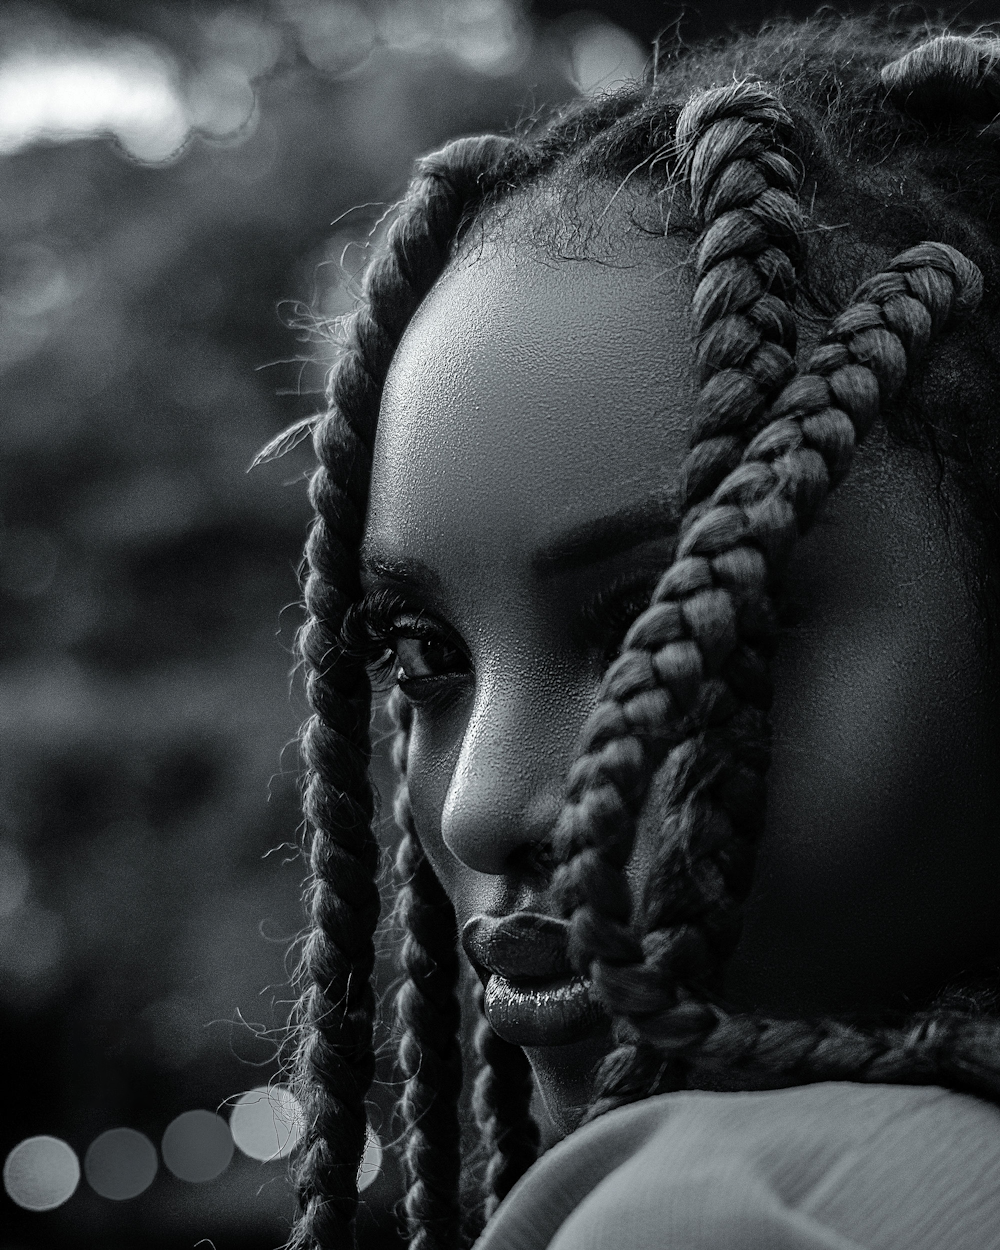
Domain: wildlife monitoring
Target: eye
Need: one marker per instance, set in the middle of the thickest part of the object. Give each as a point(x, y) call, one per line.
point(425, 658)
point(604, 620)
point(404, 645)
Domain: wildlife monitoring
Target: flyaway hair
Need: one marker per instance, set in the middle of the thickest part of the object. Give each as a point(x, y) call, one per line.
point(887, 136)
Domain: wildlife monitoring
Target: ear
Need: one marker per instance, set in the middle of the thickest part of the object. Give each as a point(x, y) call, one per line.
point(950, 80)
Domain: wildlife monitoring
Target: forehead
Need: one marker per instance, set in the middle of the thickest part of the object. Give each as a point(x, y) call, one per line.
point(531, 395)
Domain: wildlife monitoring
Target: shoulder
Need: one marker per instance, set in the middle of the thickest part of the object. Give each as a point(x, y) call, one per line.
point(820, 1167)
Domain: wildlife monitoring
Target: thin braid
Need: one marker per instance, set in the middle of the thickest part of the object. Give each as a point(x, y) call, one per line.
point(428, 1013)
point(729, 557)
point(335, 1058)
point(335, 1062)
point(502, 1107)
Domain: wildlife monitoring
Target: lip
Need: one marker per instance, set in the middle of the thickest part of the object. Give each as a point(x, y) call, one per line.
point(533, 997)
point(521, 946)
point(551, 1014)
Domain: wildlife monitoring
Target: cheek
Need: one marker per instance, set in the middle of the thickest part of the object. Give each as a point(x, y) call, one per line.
point(435, 745)
point(875, 879)
point(486, 776)
point(870, 740)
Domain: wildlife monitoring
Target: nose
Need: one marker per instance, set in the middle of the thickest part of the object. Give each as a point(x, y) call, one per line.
point(505, 792)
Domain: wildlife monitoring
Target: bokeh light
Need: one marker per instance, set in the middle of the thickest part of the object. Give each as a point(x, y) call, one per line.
point(603, 56)
point(371, 1160)
point(40, 1173)
point(197, 1146)
point(486, 36)
point(336, 38)
point(120, 1164)
point(266, 1123)
point(65, 84)
point(127, 89)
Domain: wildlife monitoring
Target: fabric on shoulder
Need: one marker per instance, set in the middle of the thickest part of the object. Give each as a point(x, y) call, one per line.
point(835, 1166)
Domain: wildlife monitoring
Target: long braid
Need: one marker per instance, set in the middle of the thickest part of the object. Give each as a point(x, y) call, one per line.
point(335, 1058)
point(429, 1014)
point(729, 144)
point(429, 1017)
point(741, 185)
point(335, 1063)
point(502, 1107)
point(730, 556)
point(695, 663)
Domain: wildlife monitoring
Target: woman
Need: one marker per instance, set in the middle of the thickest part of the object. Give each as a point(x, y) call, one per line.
point(572, 447)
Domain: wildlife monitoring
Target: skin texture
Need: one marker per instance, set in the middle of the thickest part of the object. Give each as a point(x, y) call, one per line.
point(532, 396)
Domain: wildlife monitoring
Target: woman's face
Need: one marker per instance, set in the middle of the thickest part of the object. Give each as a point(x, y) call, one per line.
point(533, 424)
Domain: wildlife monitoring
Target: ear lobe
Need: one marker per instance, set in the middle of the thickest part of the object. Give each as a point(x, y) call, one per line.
point(949, 80)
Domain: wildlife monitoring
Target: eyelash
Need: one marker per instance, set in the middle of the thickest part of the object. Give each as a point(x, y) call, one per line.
point(370, 632)
point(612, 610)
point(373, 626)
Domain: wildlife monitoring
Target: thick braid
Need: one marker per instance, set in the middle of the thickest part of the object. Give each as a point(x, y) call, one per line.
point(729, 143)
point(693, 661)
point(428, 1014)
point(742, 188)
point(945, 1048)
point(729, 556)
point(953, 78)
point(335, 1059)
point(731, 149)
point(502, 1107)
point(740, 543)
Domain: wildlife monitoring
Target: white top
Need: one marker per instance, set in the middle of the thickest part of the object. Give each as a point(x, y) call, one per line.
point(836, 1166)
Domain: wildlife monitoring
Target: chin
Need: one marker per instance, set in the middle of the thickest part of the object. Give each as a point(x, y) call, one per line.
point(565, 1077)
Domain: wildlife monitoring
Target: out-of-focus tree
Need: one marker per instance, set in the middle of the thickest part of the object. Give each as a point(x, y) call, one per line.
point(180, 184)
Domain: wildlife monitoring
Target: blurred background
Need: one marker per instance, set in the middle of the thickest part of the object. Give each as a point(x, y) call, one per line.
point(185, 191)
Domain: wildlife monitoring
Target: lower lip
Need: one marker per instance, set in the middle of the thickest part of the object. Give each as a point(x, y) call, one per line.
point(542, 1015)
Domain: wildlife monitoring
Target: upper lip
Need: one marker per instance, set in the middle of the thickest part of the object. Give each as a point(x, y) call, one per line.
point(523, 946)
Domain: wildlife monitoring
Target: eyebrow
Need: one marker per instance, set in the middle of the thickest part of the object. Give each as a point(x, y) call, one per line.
point(575, 548)
point(655, 517)
point(403, 569)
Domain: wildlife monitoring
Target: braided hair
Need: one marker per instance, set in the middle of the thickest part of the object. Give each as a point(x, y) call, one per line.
point(335, 1059)
point(690, 691)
